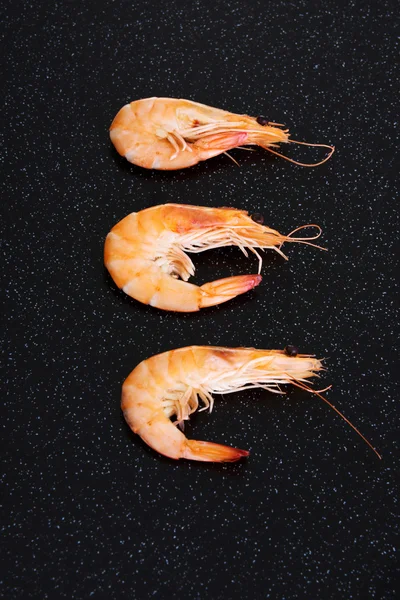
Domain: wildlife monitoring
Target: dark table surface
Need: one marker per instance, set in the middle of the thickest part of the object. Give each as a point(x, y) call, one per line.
point(89, 510)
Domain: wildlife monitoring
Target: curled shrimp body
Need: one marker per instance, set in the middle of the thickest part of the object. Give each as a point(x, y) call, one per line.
point(145, 253)
point(170, 385)
point(171, 133)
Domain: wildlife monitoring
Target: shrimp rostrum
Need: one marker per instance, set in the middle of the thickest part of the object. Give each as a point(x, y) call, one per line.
point(172, 133)
point(171, 386)
point(145, 253)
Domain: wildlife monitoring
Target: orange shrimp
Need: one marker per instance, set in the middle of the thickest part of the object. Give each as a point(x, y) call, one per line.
point(171, 384)
point(145, 253)
point(171, 133)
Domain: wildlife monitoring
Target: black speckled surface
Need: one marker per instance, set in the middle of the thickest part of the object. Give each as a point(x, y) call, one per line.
point(88, 510)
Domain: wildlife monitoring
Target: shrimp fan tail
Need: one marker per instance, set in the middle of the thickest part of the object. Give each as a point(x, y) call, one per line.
point(223, 290)
point(210, 452)
point(220, 142)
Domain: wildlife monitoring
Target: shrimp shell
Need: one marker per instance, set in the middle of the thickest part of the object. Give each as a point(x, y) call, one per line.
point(145, 253)
point(171, 133)
point(172, 384)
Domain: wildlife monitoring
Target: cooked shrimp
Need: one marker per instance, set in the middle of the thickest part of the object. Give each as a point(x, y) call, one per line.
point(145, 253)
point(171, 133)
point(171, 385)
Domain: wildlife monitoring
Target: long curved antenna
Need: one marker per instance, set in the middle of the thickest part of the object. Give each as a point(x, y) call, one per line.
point(306, 241)
point(305, 387)
point(300, 164)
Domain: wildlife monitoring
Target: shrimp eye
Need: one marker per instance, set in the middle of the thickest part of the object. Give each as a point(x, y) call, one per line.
point(257, 218)
point(291, 350)
point(262, 120)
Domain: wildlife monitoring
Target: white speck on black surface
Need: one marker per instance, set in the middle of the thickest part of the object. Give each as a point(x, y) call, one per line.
point(89, 511)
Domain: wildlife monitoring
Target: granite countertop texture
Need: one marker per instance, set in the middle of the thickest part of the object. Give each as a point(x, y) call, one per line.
point(88, 510)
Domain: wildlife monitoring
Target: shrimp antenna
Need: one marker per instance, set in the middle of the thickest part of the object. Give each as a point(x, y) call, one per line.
point(232, 159)
point(300, 164)
point(238, 148)
point(306, 241)
point(318, 393)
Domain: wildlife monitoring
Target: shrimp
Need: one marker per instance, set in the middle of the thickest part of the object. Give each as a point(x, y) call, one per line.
point(171, 133)
point(171, 385)
point(145, 253)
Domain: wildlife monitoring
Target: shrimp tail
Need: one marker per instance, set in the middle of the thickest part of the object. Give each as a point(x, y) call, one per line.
point(222, 290)
point(210, 452)
point(222, 141)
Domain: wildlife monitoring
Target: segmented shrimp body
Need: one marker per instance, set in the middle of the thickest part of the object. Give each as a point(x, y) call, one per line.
point(171, 133)
point(145, 253)
point(171, 385)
